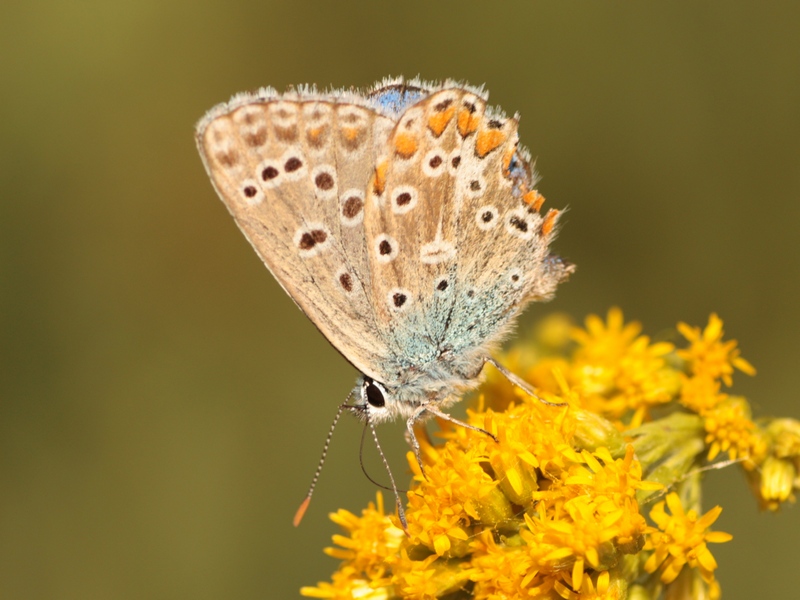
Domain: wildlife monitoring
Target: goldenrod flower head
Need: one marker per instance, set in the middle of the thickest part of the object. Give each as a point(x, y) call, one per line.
point(690, 584)
point(553, 508)
point(605, 342)
point(708, 355)
point(777, 482)
point(427, 578)
point(619, 372)
point(729, 429)
point(778, 477)
point(680, 539)
point(346, 584)
point(373, 538)
point(456, 492)
point(700, 393)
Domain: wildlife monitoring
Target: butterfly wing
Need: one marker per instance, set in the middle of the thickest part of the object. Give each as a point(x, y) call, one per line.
point(293, 170)
point(505, 263)
point(410, 229)
point(457, 243)
point(403, 224)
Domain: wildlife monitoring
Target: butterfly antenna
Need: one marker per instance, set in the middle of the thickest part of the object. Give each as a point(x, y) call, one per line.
point(298, 516)
point(400, 512)
point(364, 467)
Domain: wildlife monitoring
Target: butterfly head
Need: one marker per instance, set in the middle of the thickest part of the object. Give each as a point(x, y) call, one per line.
point(379, 402)
point(375, 399)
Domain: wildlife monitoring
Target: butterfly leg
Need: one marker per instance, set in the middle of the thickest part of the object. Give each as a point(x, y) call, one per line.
point(437, 413)
point(431, 409)
point(520, 383)
point(411, 437)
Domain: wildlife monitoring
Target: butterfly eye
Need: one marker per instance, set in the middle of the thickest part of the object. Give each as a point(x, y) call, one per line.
point(373, 393)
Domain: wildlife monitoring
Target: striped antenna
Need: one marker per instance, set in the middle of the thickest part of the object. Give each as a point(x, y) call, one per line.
point(298, 516)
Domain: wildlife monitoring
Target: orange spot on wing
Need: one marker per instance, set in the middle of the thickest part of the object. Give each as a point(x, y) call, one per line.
point(507, 158)
point(549, 221)
point(314, 133)
point(438, 122)
point(488, 140)
point(379, 179)
point(467, 122)
point(350, 133)
point(405, 145)
point(534, 199)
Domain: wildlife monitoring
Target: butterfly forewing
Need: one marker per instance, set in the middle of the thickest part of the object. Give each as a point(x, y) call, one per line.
point(293, 173)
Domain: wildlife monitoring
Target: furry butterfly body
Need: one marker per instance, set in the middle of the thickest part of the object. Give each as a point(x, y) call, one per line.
point(403, 221)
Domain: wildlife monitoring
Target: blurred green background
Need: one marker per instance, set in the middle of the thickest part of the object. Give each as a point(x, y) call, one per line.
point(163, 404)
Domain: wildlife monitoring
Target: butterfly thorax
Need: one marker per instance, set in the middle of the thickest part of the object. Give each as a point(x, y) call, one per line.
point(440, 381)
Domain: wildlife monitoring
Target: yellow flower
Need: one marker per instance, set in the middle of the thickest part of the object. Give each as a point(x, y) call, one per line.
point(503, 570)
point(605, 343)
point(589, 517)
point(372, 538)
point(454, 492)
point(778, 477)
point(700, 393)
point(347, 584)
point(690, 584)
point(619, 373)
point(729, 429)
point(708, 355)
point(681, 539)
point(605, 586)
point(551, 507)
point(777, 480)
point(428, 578)
point(533, 444)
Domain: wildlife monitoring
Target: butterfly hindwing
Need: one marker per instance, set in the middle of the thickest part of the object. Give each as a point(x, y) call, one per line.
point(453, 227)
point(500, 230)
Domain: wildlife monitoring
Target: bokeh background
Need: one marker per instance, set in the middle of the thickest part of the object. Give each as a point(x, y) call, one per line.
point(163, 404)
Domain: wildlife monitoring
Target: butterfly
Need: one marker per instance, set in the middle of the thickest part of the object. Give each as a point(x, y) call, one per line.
point(403, 221)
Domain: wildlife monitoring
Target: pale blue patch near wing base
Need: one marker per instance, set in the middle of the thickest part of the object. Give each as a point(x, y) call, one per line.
point(396, 99)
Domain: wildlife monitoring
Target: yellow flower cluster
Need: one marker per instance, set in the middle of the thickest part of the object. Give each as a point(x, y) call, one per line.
point(553, 508)
point(679, 539)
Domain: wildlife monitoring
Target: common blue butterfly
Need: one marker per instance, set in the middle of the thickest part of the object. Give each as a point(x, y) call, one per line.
point(402, 221)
